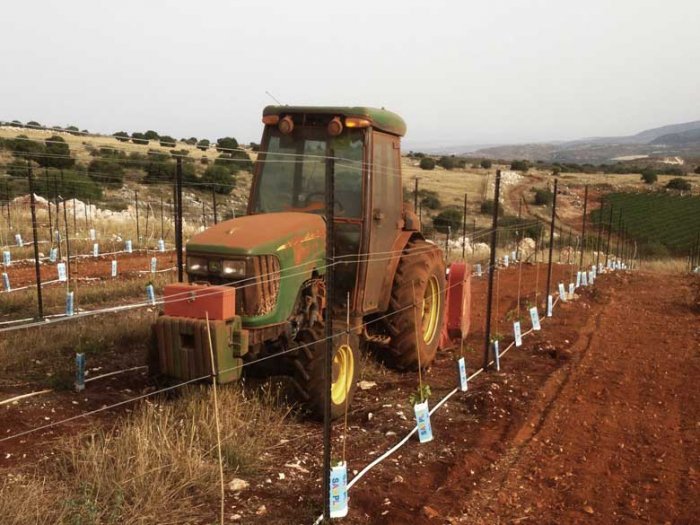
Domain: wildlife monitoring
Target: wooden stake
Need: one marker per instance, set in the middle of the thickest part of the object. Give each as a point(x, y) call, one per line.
point(216, 417)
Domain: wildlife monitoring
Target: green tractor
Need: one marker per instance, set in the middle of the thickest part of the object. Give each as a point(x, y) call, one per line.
point(258, 280)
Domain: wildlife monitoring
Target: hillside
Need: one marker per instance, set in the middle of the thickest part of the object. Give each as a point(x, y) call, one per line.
point(672, 140)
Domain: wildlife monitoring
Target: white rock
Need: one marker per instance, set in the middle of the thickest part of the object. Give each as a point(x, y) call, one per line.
point(237, 485)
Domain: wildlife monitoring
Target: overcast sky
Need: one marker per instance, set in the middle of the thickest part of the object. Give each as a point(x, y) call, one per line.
point(459, 72)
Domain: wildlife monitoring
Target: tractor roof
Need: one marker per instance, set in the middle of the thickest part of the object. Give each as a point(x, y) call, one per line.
point(380, 118)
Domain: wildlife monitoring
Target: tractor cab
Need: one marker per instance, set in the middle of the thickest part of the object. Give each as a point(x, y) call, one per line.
point(369, 212)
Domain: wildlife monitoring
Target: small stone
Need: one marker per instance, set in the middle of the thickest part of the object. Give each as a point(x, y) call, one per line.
point(588, 509)
point(370, 416)
point(366, 385)
point(397, 479)
point(281, 475)
point(236, 517)
point(429, 512)
point(237, 485)
point(262, 510)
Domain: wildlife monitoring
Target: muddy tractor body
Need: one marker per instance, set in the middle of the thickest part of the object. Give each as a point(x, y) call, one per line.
point(258, 280)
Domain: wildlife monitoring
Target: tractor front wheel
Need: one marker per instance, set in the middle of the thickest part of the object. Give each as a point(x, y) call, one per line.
point(417, 307)
point(308, 371)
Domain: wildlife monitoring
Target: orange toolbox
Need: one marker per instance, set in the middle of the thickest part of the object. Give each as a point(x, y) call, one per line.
point(197, 300)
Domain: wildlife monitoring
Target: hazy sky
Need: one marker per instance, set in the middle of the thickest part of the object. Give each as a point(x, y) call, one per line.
point(459, 72)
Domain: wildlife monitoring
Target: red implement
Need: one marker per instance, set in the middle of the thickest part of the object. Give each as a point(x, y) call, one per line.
point(457, 303)
point(196, 301)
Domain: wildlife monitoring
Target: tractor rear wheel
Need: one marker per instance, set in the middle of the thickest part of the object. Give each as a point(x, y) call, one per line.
point(308, 371)
point(421, 270)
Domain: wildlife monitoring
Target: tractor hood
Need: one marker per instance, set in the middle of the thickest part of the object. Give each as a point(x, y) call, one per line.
point(300, 235)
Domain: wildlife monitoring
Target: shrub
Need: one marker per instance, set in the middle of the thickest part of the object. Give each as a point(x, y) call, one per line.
point(139, 138)
point(678, 184)
point(191, 141)
point(486, 164)
point(151, 135)
point(34, 124)
point(158, 155)
point(226, 144)
point(520, 165)
point(218, 179)
point(427, 163)
point(73, 183)
point(450, 217)
point(487, 207)
point(697, 170)
point(254, 146)
point(163, 171)
point(73, 130)
point(234, 161)
point(649, 176)
point(24, 146)
point(672, 170)
point(543, 197)
point(56, 154)
point(158, 171)
point(431, 202)
point(447, 162)
point(110, 153)
point(203, 144)
point(429, 199)
point(121, 136)
point(167, 141)
point(17, 168)
point(137, 160)
point(106, 172)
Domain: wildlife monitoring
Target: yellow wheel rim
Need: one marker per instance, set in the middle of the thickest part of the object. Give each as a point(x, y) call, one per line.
point(431, 309)
point(343, 372)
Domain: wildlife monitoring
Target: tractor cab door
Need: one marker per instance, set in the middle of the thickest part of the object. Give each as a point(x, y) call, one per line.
point(384, 216)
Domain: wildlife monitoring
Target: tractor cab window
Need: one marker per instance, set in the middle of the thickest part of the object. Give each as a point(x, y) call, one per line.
point(293, 170)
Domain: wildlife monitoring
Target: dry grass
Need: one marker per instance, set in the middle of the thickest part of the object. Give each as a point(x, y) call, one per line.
point(22, 303)
point(621, 182)
point(158, 466)
point(677, 265)
point(451, 185)
point(107, 340)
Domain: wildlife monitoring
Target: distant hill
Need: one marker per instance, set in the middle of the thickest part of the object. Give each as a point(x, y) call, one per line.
point(673, 140)
point(683, 138)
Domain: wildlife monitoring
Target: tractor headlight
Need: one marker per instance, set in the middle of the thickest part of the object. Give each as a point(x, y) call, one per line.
point(197, 265)
point(234, 269)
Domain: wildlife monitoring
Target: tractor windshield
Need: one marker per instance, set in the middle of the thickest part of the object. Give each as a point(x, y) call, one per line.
point(293, 168)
